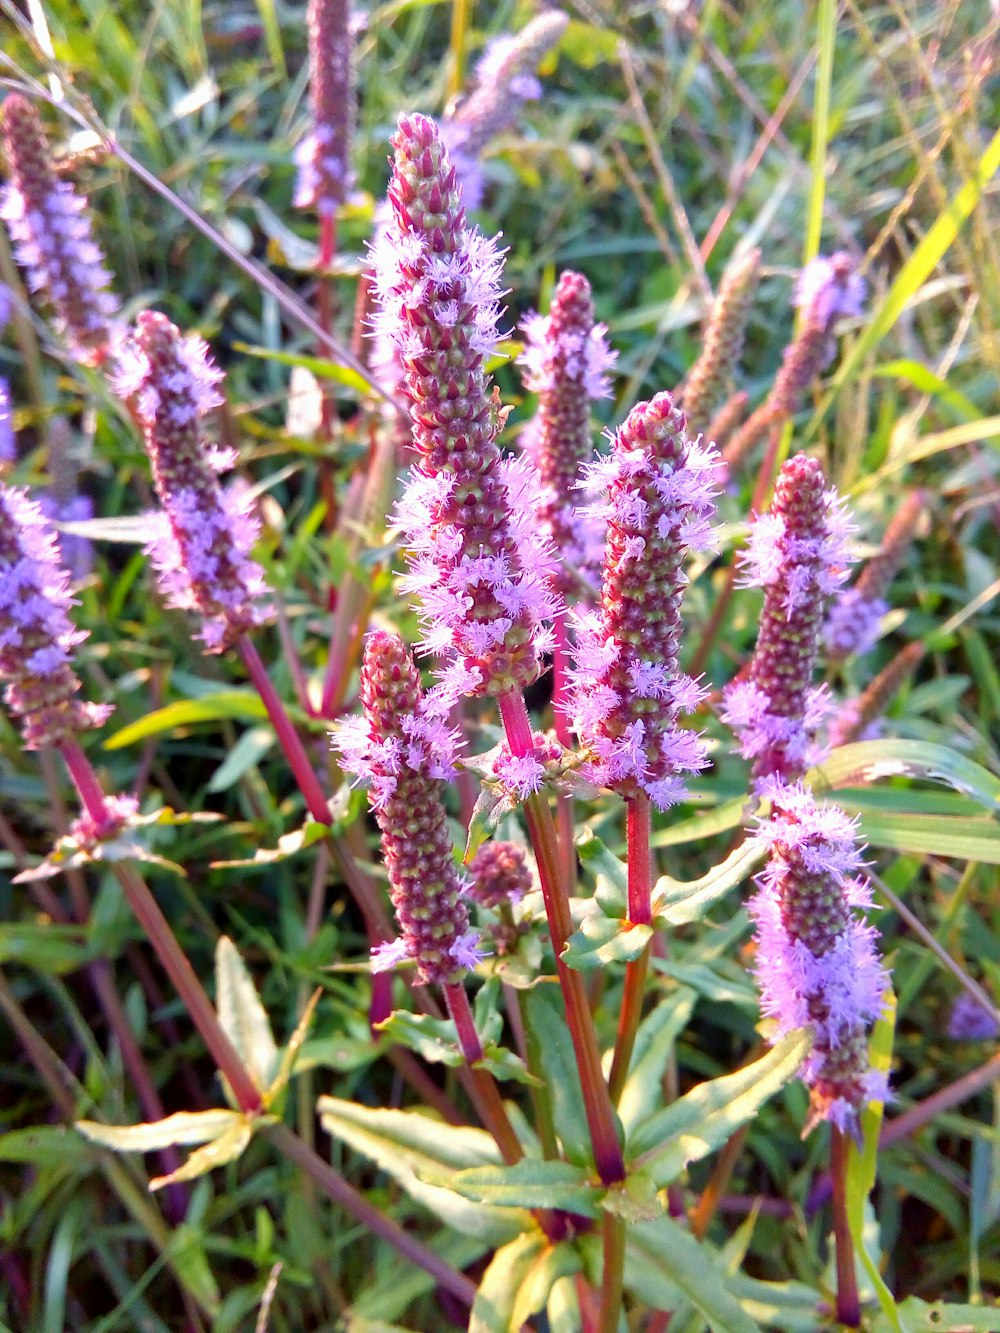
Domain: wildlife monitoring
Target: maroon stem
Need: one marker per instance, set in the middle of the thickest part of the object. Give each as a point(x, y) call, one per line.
point(597, 1103)
point(848, 1305)
point(288, 737)
point(640, 912)
point(490, 1103)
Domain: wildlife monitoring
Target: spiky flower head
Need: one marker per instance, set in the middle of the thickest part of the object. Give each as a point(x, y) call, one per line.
point(478, 563)
point(565, 361)
point(711, 377)
point(37, 637)
point(969, 1021)
point(829, 288)
point(52, 238)
point(853, 623)
point(323, 156)
point(797, 553)
point(817, 962)
point(201, 549)
point(504, 82)
point(500, 874)
point(405, 754)
point(628, 691)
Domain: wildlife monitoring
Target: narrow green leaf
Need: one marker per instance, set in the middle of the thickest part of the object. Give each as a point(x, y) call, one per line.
point(919, 1316)
point(506, 1066)
point(226, 1148)
point(869, 761)
point(189, 712)
point(724, 817)
point(668, 1251)
point(702, 1120)
point(433, 1039)
point(609, 872)
point(529, 1184)
point(554, 1058)
point(290, 1054)
point(272, 32)
point(511, 1267)
point(184, 1127)
point(654, 1042)
point(45, 1146)
point(826, 43)
point(48, 947)
point(249, 750)
point(936, 835)
point(551, 1266)
point(289, 844)
point(602, 940)
point(791, 1307)
point(242, 1016)
point(677, 902)
point(320, 367)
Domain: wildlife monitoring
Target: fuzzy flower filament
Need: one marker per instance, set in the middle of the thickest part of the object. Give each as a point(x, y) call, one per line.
point(816, 958)
point(52, 238)
point(323, 156)
point(202, 548)
point(797, 553)
point(565, 361)
point(37, 637)
point(477, 561)
point(405, 754)
point(628, 691)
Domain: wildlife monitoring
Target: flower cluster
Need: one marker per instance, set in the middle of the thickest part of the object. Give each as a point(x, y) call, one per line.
point(852, 625)
point(504, 81)
point(969, 1021)
point(500, 874)
point(828, 289)
point(404, 753)
point(711, 377)
point(478, 562)
point(118, 811)
point(816, 958)
point(323, 155)
point(628, 691)
point(797, 553)
point(36, 635)
point(565, 361)
point(859, 718)
point(51, 233)
point(202, 547)
point(8, 445)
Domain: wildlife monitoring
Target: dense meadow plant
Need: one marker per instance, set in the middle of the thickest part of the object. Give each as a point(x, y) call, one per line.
point(556, 793)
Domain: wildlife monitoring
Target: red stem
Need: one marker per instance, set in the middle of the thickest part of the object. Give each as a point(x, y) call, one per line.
point(640, 887)
point(848, 1305)
point(600, 1114)
point(288, 737)
point(490, 1103)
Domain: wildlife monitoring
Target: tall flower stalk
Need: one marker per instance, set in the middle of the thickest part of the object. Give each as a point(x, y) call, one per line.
point(52, 237)
point(797, 553)
point(478, 564)
point(710, 379)
point(629, 692)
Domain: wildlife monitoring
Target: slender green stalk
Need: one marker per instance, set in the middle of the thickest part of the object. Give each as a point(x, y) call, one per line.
point(460, 10)
point(640, 913)
point(613, 1277)
point(542, 831)
point(826, 42)
point(848, 1304)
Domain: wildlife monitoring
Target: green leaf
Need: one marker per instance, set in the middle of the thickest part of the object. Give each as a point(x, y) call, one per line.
point(506, 1066)
point(677, 902)
point(791, 1307)
point(919, 1316)
point(704, 1119)
point(724, 817)
point(226, 1148)
point(654, 1042)
point(529, 1184)
point(47, 947)
point(251, 747)
point(862, 1166)
point(409, 1145)
point(242, 1016)
point(289, 844)
point(45, 1146)
point(553, 1056)
point(602, 940)
point(189, 712)
point(518, 1282)
point(937, 835)
point(184, 1127)
point(320, 367)
point(868, 761)
point(290, 1055)
point(663, 1250)
point(433, 1039)
point(609, 872)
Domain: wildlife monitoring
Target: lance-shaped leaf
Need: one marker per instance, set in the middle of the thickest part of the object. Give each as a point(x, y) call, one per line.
point(610, 874)
point(226, 1148)
point(289, 844)
point(291, 1052)
point(704, 1119)
point(518, 1282)
point(662, 1260)
point(242, 1015)
point(654, 1042)
point(413, 1147)
point(677, 902)
point(602, 940)
point(528, 1184)
point(918, 1316)
point(868, 761)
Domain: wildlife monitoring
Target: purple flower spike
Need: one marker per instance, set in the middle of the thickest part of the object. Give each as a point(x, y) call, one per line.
point(504, 82)
point(969, 1021)
point(565, 361)
point(51, 234)
point(201, 550)
point(36, 635)
point(323, 155)
point(478, 562)
point(404, 753)
point(8, 444)
point(816, 959)
point(710, 380)
point(500, 874)
point(797, 553)
point(628, 692)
